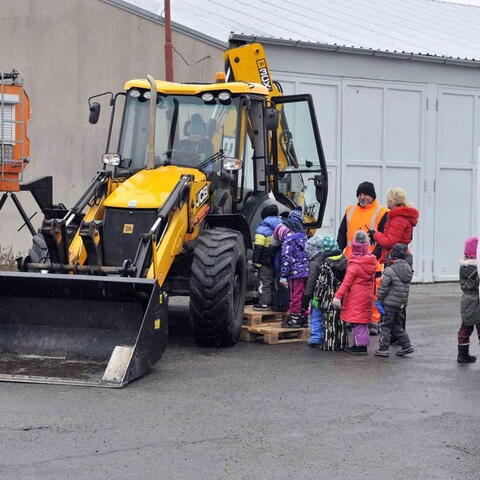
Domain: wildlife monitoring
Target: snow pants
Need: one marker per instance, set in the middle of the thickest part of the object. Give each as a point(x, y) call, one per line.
point(316, 325)
point(465, 332)
point(296, 286)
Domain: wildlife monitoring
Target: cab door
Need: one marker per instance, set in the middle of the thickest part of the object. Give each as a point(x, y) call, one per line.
point(297, 167)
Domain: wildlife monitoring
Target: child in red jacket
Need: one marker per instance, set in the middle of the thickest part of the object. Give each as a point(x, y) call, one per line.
point(354, 295)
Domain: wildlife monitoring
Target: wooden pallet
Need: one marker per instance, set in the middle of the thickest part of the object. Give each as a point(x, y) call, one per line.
point(252, 317)
point(273, 334)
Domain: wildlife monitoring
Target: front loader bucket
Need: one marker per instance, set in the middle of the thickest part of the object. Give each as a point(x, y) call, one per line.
point(80, 329)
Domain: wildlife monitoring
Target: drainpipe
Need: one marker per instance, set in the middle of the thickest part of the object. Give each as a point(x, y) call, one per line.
point(168, 43)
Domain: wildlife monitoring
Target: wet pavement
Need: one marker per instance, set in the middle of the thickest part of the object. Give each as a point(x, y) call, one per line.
point(262, 412)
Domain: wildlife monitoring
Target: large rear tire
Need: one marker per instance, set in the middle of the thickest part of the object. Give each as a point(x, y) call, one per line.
point(217, 287)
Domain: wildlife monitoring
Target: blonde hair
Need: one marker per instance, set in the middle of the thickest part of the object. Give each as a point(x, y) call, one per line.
point(398, 196)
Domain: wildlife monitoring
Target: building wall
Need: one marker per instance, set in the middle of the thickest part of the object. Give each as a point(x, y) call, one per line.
point(67, 51)
point(396, 123)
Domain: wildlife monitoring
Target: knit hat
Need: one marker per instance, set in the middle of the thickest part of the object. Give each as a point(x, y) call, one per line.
point(470, 250)
point(269, 211)
point(367, 188)
point(360, 244)
point(398, 251)
point(313, 246)
point(329, 244)
point(280, 232)
point(296, 214)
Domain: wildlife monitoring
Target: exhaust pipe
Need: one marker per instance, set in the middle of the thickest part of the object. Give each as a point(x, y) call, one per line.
point(151, 123)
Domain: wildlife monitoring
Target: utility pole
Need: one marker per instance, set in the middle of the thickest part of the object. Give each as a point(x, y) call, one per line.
point(168, 43)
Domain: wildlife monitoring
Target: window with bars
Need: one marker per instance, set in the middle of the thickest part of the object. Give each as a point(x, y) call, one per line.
point(7, 123)
point(7, 129)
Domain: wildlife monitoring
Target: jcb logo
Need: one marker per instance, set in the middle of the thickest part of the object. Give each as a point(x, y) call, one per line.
point(202, 196)
point(263, 72)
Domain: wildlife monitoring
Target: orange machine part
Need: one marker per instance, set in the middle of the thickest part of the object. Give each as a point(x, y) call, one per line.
point(10, 173)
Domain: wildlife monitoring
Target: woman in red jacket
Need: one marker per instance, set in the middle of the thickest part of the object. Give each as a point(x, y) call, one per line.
point(354, 295)
point(402, 217)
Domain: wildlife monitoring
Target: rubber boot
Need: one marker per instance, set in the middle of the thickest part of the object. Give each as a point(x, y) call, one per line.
point(356, 350)
point(383, 351)
point(303, 320)
point(293, 321)
point(464, 356)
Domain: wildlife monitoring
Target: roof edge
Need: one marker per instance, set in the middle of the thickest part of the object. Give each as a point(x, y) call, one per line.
point(159, 19)
point(465, 62)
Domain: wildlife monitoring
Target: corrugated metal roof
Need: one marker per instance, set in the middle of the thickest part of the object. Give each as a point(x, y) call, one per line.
point(414, 27)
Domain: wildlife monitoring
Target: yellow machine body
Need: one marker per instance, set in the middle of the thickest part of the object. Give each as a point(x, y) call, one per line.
point(195, 166)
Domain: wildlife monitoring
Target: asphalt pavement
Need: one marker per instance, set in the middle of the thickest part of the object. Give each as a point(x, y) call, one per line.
point(259, 411)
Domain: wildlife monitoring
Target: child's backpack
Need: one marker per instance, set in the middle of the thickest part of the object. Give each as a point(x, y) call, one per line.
point(336, 334)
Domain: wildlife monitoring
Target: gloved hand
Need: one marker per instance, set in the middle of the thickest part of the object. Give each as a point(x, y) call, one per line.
point(337, 303)
point(380, 307)
point(305, 304)
point(283, 282)
point(371, 233)
point(256, 266)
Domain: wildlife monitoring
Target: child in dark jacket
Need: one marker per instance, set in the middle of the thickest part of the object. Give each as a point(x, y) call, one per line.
point(470, 307)
point(354, 296)
point(332, 256)
point(393, 298)
point(294, 265)
point(261, 260)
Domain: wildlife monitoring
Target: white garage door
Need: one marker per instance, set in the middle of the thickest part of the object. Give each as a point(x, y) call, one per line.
point(421, 137)
point(458, 136)
point(383, 141)
point(326, 96)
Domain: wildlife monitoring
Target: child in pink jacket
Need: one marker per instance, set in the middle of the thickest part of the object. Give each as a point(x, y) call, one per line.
point(354, 295)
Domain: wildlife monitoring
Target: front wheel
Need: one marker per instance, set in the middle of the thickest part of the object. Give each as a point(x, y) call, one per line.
point(217, 287)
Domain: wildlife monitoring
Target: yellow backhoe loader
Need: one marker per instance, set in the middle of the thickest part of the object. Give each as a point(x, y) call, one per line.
point(172, 212)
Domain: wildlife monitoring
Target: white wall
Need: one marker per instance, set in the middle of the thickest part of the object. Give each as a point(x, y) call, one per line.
point(68, 51)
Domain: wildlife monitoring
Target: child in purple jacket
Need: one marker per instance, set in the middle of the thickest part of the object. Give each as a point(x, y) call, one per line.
point(294, 265)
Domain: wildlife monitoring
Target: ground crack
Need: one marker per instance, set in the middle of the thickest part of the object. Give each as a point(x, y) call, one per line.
point(28, 429)
point(460, 448)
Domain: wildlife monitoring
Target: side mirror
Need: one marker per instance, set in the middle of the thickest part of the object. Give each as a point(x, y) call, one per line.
point(271, 118)
point(94, 113)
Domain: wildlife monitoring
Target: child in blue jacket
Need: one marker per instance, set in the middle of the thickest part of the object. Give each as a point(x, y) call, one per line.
point(261, 260)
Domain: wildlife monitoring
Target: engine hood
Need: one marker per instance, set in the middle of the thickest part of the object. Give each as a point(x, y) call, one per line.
point(149, 188)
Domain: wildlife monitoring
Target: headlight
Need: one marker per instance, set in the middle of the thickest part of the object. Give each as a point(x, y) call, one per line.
point(134, 93)
point(224, 97)
point(112, 159)
point(231, 164)
point(208, 97)
point(147, 94)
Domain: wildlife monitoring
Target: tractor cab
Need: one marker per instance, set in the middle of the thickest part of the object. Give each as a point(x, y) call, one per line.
point(245, 143)
point(199, 127)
